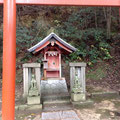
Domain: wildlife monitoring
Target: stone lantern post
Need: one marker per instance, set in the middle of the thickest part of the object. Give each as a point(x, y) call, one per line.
point(77, 81)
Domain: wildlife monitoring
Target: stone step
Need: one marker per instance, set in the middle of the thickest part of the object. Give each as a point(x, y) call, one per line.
point(83, 104)
point(62, 78)
point(60, 115)
point(112, 94)
point(51, 102)
point(56, 97)
point(57, 106)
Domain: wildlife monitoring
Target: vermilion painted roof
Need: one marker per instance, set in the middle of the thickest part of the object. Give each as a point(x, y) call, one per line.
point(57, 38)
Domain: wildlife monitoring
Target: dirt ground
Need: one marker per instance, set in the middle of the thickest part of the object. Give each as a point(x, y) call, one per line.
point(102, 109)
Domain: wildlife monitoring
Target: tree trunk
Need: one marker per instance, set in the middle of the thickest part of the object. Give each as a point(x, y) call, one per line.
point(109, 22)
point(96, 18)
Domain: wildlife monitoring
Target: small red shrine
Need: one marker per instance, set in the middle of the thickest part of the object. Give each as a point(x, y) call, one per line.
point(52, 47)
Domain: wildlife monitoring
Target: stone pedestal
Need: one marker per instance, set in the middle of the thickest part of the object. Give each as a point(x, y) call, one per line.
point(33, 100)
point(78, 97)
point(33, 92)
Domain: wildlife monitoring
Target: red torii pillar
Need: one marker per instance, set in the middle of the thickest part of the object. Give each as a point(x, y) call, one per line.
point(9, 60)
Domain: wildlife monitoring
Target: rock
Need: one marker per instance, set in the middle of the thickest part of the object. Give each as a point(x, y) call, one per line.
point(38, 117)
point(112, 114)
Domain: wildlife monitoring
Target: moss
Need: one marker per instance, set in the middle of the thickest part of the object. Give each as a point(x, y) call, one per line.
point(105, 114)
point(98, 74)
point(91, 89)
point(117, 104)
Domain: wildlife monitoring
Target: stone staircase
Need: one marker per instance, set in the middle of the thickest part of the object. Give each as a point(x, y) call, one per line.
point(56, 103)
point(55, 95)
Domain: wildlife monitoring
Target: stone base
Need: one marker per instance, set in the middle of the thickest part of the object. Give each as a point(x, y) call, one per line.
point(78, 97)
point(28, 107)
point(83, 104)
point(33, 100)
point(108, 95)
point(33, 92)
point(35, 107)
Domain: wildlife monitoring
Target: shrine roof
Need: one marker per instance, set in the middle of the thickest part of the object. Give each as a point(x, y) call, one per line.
point(57, 38)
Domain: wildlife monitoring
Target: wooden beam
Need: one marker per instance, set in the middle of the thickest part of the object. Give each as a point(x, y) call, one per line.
point(72, 2)
point(69, 2)
point(1, 1)
point(62, 46)
point(41, 47)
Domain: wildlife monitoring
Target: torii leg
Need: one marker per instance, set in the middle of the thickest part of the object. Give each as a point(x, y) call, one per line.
point(9, 60)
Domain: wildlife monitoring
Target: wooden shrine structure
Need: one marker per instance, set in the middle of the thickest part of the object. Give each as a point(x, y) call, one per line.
point(9, 44)
point(52, 47)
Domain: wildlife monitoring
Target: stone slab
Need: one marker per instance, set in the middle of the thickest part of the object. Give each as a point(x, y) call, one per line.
point(56, 101)
point(78, 97)
point(21, 107)
point(32, 65)
point(54, 97)
point(57, 107)
point(60, 115)
point(80, 64)
point(50, 116)
point(68, 114)
point(71, 119)
point(33, 100)
point(52, 87)
point(105, 94)
point(28, 107)
point(83, 104)
point(35, 107)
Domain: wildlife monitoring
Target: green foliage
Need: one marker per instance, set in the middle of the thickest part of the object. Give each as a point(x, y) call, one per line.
point(25, 38)
point(26, 57)
point(98, 74)
point(83, 27)
point(79, 30)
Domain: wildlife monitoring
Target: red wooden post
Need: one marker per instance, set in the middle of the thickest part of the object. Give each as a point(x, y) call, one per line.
point(9, 60)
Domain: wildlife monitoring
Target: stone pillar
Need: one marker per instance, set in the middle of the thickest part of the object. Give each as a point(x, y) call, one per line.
point(38, 78)
point(60, 65)
point(78, 68)
point(72, 76)
point(25, 81)
point(83, 78)
point(27, 76)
